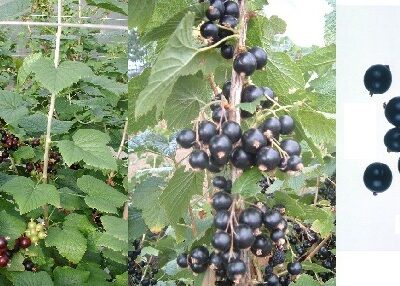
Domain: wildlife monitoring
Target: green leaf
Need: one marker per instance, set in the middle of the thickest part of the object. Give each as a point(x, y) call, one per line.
point(140, 13)
point(100, 195)
point(122, 279)
point(247, 184)
point(88, 145)
point(305, 280)
point(81, 222)
point(116, 227)
point(320, 59)
point(32, 279)
point(109, 241)
point(111, 5)
point(11, 226)
point(69, 242)
point(110, 85)
point(330, 282)
point(330, 27)
point(316, 268)
point(23, 153)
point(180, 189)
point(12, 107)
point(251, 106)
point(10, 9)
point(16, 263)
point(30, 196)
point(25, 70)
point(57, 79)
point(36, 124)
point(67, 276)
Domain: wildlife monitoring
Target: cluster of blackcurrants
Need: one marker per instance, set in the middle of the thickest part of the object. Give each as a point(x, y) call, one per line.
point(6, 254)
point(255, 228)
point(9, 142)
point(328, 191)
point(140, 273)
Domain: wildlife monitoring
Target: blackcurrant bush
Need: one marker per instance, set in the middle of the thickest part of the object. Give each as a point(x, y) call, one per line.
point(392, 140)
point(245, 64)
point(220, 147)
point(377, 79)
point(271, 127)
point(268, 159)
point(213, 13)
point(294, 163)
point(242, 159)
point(221, 219)
point(228, 21)
point(219, 115)
point(287, 124)
point(207, 130)
point(272, 280)
point(291, 147)
point(198, 159)
point(260, 55)
point(232, 130)
point(392, 111)
point(182, 260)
point(186, 138)
point(4, 260)
point(378, 177)
point(216, 260)
point(235, 270)
point(219, 182)
point(232, 8)
point(252, 217)
point(199, 255)
point(272, 219)
point(227, 51)
point(294, 268)
point(209, 30)
point(221, 201)
point(198, 268)
point(221, 241)
point(226, 89)
point(3, 242)
point(262, 246)
point(243, 236)
point(253, 140)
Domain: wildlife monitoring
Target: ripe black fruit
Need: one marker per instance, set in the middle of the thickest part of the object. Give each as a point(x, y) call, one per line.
point(186, 138)
point(229, 21)
point(243, 236)
point(272, 219)
point(198, 159)
point(209, 30)
point(270, 95)
point(221, 201)
point(252, 217)
point(219, 5)
point(253, 140)
point(213, 13)
point(24, 242)
point(29, 265)
point(392, 111)
point(198, 268)
point(392, 140)
point(199, 255)
point(182, 260)
point(232, 8)
point(4, 261)
point(294, 163)
point(251, 92)
point(294, 268)
point(221, 219)
point(226, 89)
point(378, 177)
point(245, 64)
point(291, 147)
point(377, 79)
point(242, 159)
point(219, 115)
point(3, 242)
point(219, 182)
point(220, 147)
point(232, 130)
point(207, 130)
point(287, 124)
point(221, 241)
point(235, 270)
point(227, 51)
point(278, 236)
point(213, 166)
point(268, 159)
point(216, 261)
point(260, 55)
point(271, 127)
point(272, 280)
point(262, 246)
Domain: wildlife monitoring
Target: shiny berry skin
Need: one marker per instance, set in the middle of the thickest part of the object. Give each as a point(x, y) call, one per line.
point(377, 79)
point(229, 21)
point(278, 236)
point(232, 130)
point(207, 130)
point(232, 8)
point(251, 92)
point(4, 261)
point(268, 159)
point(245, 64)
point(219, 182)
point(291, 147)
point(186, 138)
point(228, 258)
point(260, 55)
point(272, 219)
point(199, 268)
point(227, 51)
point(392, 111)
point(182, 260)
point(213, 13)
point(252, 217)
point(3, 242)
point(221, 201)
point(294, 268)
point(221, 241)
point(272, 280)
point(392, 140)
point(378, 177)
point(243, 236)
point(198, 159)
point(219, 5)
point(29, 266)
point(216, 261)
point(270, 95)
point(219, 115)
point(209, 30)
point(242, 159)
point(287, 124)
point(24, 242)
point(235, 270)
point(199, 255)
point(271, 127)
point(220, 146)
point(253, 140)
point(221, 219)
point(262, 246)
point(226, 89)
point(294, 163)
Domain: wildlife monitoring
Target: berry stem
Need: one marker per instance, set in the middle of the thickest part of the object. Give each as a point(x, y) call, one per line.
point(316, 249)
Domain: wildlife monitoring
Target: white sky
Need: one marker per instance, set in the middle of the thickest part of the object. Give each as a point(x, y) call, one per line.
point(305, 19)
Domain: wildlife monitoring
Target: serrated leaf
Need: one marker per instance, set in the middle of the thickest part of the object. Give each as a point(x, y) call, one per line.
point(90, 146)
point(36, 124)
point(12, 107)
point(330, 282)
point(122, 279)
point(116, 227)
point(180, 189)
point(305, 280)
point(330, 27)
point(79, 221)
point(30, 196)
point(27, 278)
point(25, 70)
point(69, 242)
point(100, 195)
point(316, 268)
point(323, 226)
point(111, 5)
point(57, 79)
point(140, 13)
point(23, 153)
point(67, 276)
point(107, 240)
point(320, 59)
point(110, 85)
point(10, 9)
point(11, 226)
point(16, 263)
point(251, 106)
point(115, 256)
point(247, 184)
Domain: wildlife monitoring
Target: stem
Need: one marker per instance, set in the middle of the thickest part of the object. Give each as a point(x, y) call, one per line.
point(121, 147)
point(316, 249)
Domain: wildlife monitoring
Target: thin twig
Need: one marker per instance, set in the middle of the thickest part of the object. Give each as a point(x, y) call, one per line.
point(121, 147)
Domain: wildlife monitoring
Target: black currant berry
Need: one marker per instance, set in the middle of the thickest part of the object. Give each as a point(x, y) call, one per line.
point(219, 4)
point(199, 255)
point(198, 159)
point(232, 130)
point(209, 30)
point(220, 147)
point(262, 246)
point(219, 182)
point(182, 260)
point(271, 127)
point(28, 264)
point(278, 257)
point(294, 163)
point(272, 219)
point(227, 51)
point(377, 79)
point(235, 270)
point(213, 13)
point(221, 241)
point(3, 242)
point(294, 268)
point(226, 89)
point(251, 92)
point(24, 242)
point(221, 219)
point(242, 159)
point(287, 124)
point(392, 111)
point(219, 115)
point(207, 130)
point(216, 261)
point(270, 96)
point(232, 8)
point(186, 138)
point(291, 147)
point(268, 159)
point(253, 140)
point(260, 55)
point(392, 140)
point(278, 236)
point(221, 201)
point(252, 217)
point(229, 21)
point(243, 236)
point(199, 268)
point(245, 64)
point(378, 177)
point(213, 167)
point(4, 260)
point(272, 280)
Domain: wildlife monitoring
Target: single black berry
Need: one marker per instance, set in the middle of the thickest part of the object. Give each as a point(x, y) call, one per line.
point(198, 159)
point(251, 92)
point(260, 55)
point(221, 241)
point(294, 163)
point(392, 140)
point(232, 130)
point(226, 89)
point(378, 177)
point(242, 159)
point(186, 138)
point(253, 140)
point(262, 246)
point(182, 260)
point(199, 255)
point(392, 111)
point(28, 264)
point(271, 127)
point(213, 13)
point(252, 217)
point(287, 124)
point(219, 182)
point(294, 268)
point(198, 268)
point(207, 130)
point(291, 147)
point(209, 30)
point(220, 147)
point(268, 159)
point(377, 79)
point(221, 219)
point(216, 260)
point(272, 280)
point(235, 270)
point(219, 115)
point(245, 64)
point(219, 4)
point(4, 260)
point(278, 236)
point(227, 51)
point(221, 201)
point(243, 236)
point(272, 219)
point(229, 21)
point(232, 8)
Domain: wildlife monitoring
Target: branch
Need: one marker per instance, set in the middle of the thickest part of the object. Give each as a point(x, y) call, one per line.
point(121, 147)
